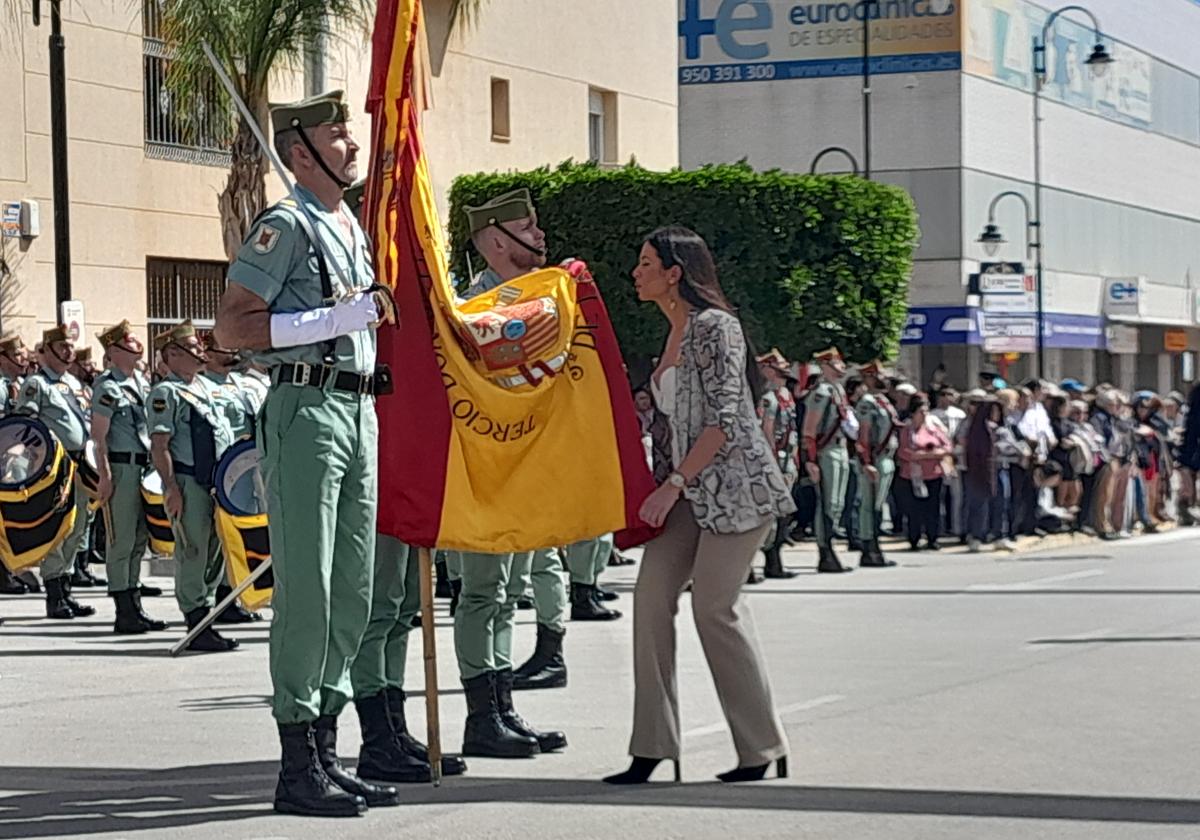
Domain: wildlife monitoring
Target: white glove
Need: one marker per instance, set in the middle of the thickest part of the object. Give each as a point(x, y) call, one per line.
point(313, 326)
point(850, 426)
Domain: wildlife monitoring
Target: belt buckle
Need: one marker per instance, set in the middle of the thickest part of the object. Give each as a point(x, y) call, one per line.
point(364, 385)
point(301, 374)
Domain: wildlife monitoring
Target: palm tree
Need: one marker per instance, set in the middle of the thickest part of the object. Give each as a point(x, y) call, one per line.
point(251, 39)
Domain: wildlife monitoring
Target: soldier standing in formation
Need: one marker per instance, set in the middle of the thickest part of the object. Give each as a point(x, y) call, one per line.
point(828, 422)
point(121, 438)
point(53, 396)
point(188, 433)
point(314, 325)
point(13, 363)
point(875, 462)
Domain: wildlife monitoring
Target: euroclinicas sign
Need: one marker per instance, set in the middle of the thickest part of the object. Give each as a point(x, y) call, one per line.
point(725, 41)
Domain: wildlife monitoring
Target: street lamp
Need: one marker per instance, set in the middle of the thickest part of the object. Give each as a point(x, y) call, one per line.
point(866, 85)
point(991, 239)
point(812, 169)
point(1097, 63)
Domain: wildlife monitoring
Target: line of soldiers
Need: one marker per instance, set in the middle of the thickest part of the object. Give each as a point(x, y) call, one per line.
point(180, 427)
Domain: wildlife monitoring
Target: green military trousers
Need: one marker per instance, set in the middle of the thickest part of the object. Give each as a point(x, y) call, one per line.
point(831, 495)
point(542, 571)
point(60, 560)
point(483, 623)
point(197, 548)
point(395, 599)
point(127, 542)
point(319, 460)
point(453, 564)
point(872, 496)
point(586, 560)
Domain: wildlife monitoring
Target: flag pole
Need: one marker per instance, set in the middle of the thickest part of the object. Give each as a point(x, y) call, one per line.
point(433, 728)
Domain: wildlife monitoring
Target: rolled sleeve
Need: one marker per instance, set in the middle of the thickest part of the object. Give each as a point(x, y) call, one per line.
point(108, 400)
point(160, 412)
point(266, 257)
point(721, 360)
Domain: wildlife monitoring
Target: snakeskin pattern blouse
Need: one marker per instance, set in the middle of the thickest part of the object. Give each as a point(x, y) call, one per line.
point(742, 488)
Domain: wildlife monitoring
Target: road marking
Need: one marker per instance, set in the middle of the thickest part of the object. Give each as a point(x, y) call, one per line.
point(1049, 644)
point(1034, 584)
point(816, 702)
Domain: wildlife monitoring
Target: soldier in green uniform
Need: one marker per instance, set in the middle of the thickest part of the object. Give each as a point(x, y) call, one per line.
point(875, 463)
point(506, 234)
point(13, 361)
point(828, 422)
point(84, 371)
point(52, 395)
point(121, 438)
point(188, 433)
point(389, 752)
point(301, 296)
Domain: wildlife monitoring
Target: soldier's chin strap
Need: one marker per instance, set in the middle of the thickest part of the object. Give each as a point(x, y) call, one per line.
point(199, 357)
point(312, 150)
point(541, 252)
point(67, 361)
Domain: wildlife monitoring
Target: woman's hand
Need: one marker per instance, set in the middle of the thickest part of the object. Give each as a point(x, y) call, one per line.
point(658, 504)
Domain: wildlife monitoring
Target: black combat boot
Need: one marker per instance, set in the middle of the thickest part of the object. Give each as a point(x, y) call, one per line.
point(546, 741)
point(586, 607)
point(56, 598)
point(546, 668)
point(829, 562)
point(452, 765)
point(10, 584)
point(325, 738)
point(485, 733)
point(234, 613)
point(77, 609)
point(303, 787)
point(128, 622)
point(81, 578)
point(152, 624)
point(149, 591)
point(381, 756)
point(209, 640)
point(773, 568)
point(872, 556)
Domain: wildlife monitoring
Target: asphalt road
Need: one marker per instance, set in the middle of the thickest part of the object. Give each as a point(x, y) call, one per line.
point(1050, 694)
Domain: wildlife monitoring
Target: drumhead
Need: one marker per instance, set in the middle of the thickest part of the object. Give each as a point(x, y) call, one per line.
point(26, 451)
point(152, 483)
point(238, 482)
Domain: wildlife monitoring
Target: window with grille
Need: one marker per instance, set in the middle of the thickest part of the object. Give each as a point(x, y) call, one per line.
point(179, 290)
point(192, 131)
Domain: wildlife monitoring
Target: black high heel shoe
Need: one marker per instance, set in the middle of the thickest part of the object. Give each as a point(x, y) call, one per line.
point(639, 771)
point(755, 774)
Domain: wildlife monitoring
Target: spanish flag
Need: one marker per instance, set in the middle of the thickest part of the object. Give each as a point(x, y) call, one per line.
point(511, 426)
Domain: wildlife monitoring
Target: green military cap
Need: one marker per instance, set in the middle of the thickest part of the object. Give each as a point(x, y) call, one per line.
point(324, 109)
point(356, 195)
point(503, 208)
point(83, 354)
point(177, 333)
point(114, 334)
point(54, 334)
point(11, 343)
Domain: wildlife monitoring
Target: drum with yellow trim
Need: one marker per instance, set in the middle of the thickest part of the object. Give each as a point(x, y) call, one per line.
point(162, 538)
point(89, 474)
point(37, 492)
point(241, 516)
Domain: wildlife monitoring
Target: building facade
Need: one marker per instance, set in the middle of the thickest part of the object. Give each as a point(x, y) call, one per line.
point(778, 81)
point(529, 83)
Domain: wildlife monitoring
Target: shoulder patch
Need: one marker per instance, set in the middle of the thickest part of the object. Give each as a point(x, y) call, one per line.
point(265, 239)
point(107, 400)
point(31, 390)
point(159, 404)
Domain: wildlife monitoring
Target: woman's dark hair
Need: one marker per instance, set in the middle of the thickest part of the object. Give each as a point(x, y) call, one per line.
point(1055, 404)
point(677, 245)
point(918, 402)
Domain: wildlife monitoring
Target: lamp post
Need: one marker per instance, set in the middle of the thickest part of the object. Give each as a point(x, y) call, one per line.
point(58, 150)
point(866, 84)
point(991, 239)
point(1098, 63)
point(812, 169)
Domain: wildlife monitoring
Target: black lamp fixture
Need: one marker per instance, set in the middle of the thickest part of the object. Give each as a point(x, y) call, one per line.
point(1099, 60)
point(991, 239)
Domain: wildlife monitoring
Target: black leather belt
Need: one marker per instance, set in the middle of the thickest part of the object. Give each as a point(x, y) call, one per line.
point(180, 468)
point(129, 458)
point(323, 376)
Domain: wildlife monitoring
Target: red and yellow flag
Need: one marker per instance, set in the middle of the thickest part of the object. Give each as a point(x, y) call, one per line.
point(512, 426)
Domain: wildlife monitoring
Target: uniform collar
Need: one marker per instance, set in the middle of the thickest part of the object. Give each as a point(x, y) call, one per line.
point(51, 375)
point(485, 281)
point(116, 374)
point(219, 378)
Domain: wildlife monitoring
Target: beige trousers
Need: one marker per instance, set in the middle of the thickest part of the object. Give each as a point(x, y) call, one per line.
point(717, 565)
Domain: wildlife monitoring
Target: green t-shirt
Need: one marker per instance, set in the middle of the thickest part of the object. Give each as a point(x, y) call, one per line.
point(55, 400)
point(122, 399)
point(172, 404)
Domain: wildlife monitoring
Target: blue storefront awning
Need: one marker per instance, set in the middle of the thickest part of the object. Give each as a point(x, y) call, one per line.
point(940, 325)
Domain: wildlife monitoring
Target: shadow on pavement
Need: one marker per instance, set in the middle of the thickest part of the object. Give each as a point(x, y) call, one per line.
point(52, 801)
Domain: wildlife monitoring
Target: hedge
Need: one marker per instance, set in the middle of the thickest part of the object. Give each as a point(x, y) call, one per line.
point(810, 261)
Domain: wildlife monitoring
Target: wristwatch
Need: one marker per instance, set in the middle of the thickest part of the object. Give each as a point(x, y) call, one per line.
point(677, 480)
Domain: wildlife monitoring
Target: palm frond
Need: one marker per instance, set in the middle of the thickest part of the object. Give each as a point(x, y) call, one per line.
point(464, 14)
